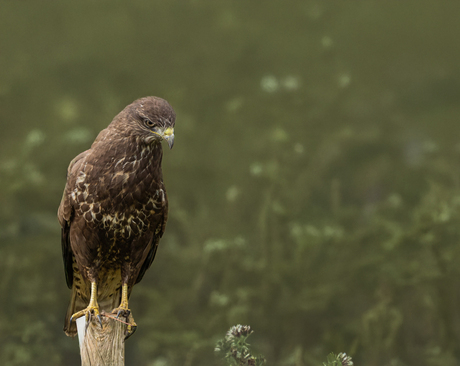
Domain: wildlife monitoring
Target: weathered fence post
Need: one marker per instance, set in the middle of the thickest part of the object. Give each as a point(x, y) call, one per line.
point(102, 346)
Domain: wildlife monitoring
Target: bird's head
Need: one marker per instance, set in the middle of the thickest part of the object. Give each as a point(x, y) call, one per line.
point(152, 119)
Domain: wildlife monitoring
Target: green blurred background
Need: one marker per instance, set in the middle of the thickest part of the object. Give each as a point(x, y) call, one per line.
point(314, 183)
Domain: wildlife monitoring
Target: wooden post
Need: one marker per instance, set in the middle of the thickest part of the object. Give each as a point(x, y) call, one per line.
point(102, 346)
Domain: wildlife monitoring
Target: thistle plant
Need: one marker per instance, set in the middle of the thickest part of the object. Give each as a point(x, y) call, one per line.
point(234, 349)
point(342, 359)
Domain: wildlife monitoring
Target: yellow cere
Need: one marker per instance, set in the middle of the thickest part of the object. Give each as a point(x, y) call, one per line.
point(169, 131)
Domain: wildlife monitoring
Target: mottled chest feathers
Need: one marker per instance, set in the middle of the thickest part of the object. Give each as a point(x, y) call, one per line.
point(129, 221)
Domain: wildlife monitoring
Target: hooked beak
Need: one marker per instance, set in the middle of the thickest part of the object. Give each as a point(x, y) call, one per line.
point(168, 135)
point(165, 134)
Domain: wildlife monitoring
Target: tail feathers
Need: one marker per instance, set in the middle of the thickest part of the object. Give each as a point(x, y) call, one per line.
point(77, 304)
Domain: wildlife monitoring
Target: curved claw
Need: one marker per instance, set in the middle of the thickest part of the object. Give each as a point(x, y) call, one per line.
point(130, 331)
point(131, 328)
point(123, 312)
point(99, 319)
point(91, 310)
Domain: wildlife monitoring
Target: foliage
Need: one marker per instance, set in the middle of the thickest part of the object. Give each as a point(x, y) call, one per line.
point(338, 360)
point(234, 349)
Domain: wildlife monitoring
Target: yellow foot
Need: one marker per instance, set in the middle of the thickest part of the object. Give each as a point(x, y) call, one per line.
point(90, 311)
point(126, 313)
point(132, 327)
point(121, 311)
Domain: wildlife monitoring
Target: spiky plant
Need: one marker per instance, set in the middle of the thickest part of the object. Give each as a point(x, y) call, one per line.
point(234, 350)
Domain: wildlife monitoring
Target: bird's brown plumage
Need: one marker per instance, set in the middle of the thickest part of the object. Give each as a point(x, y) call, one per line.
point(114, 207)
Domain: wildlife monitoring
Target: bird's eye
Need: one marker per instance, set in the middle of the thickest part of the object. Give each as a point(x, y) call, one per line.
point(148, 123)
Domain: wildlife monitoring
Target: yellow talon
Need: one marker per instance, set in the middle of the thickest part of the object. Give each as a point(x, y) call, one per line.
point(124, 310)
point(131, 328)
point(92, 308)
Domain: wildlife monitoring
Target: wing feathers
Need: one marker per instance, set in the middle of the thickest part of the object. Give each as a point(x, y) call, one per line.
point(65, 213)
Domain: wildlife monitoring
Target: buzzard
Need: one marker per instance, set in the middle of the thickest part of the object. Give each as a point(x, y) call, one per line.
point(114, 210)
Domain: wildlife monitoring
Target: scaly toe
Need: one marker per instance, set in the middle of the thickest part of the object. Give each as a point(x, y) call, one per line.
point(121, 312)
point(131, 328)
point(88, 313)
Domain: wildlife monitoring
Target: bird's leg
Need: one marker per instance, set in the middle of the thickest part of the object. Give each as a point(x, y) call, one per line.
point(92, 309)
point(123, 310)
point(124, 299)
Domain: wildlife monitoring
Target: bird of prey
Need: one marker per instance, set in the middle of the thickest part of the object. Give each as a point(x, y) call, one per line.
point(114, 210)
